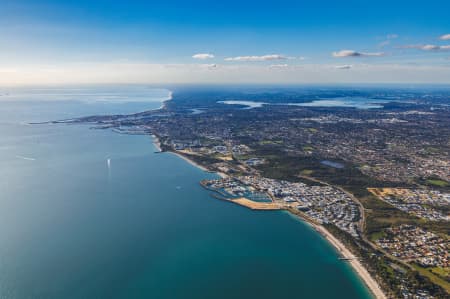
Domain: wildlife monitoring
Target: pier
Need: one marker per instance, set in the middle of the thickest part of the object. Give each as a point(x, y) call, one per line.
point(348, 258)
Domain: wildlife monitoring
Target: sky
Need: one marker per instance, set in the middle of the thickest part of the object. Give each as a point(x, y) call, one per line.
point(287, 42)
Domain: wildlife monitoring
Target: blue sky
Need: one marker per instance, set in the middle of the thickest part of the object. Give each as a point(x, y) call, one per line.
point(49, 41)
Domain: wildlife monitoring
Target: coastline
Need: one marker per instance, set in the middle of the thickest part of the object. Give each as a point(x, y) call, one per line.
point(156, 143)
point(360, 270)
point(192, 162)
point(346, 255)
point(169, 98)
point(357, 267)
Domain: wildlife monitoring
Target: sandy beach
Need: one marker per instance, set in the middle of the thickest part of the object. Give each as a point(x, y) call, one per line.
point(157, 143)
point(221, 174)
point(190, 161)
point(356, 265)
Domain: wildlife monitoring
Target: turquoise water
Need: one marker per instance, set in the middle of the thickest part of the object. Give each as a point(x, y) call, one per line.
point(72, 226)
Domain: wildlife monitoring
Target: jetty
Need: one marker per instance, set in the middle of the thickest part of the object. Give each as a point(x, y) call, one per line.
point(349, 258)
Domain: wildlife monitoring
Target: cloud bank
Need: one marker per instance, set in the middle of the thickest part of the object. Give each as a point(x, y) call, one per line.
point(148, 73)
point(445, 37)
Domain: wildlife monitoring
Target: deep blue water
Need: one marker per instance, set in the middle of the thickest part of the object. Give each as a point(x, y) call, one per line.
point(73, 227)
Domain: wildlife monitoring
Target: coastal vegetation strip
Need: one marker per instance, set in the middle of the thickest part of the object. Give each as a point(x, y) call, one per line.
point(433, 277)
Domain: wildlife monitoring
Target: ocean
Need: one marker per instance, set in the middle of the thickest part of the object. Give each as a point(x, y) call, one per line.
point(87, 213)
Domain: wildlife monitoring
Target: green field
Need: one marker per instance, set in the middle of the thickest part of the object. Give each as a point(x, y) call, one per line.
point(439, 183)
point(442, 272)
point(433, 277)
point(377, 235)
point(306, 172)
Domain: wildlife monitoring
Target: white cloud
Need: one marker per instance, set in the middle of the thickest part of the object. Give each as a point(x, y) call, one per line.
point(343, 67)
point(428, 47)
point(257, 58)
point(384, 43)
point(445, 37)
point(351, 53)
point(387, 40)
point(202, 56)
point(435, 48)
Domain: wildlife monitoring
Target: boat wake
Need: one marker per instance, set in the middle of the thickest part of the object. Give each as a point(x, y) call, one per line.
point(25, 158)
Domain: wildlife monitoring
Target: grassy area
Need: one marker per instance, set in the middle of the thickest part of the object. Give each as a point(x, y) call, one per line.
point(244, 157)
point(377, 235)
point(432, 150)
point(438, 183)
point(266, 142)
point(439, 227)
point(433, 277)
point(381, 215)
point(442, 272)
point(306, 172)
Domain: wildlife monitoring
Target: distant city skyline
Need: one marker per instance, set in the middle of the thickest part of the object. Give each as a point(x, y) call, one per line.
point(325, 42)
